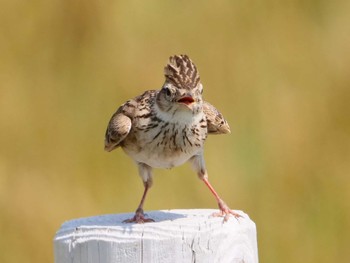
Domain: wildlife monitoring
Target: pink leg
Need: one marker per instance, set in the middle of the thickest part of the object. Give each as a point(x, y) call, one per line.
point(225, 211)
point(199, 167)
point(146, 175)
point(139, 216)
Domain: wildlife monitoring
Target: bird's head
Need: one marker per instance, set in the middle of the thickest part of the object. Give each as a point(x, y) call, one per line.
point(182, 89)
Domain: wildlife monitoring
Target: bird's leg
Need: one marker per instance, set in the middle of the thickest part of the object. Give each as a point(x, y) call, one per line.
point(199, 167)
point(139, 217)
point(225, 211)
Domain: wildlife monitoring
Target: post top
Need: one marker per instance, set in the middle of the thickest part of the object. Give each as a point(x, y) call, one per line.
point(167, 223)
point(161, 217)
point(175, 236)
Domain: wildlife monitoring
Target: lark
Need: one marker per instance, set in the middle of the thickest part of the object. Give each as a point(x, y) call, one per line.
point(168, 127)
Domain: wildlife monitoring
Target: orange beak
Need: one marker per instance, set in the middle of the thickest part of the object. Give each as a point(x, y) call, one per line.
point(186, 100)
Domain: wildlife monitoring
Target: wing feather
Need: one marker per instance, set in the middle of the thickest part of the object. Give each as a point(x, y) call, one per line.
point(118, 128)
point(215, 121)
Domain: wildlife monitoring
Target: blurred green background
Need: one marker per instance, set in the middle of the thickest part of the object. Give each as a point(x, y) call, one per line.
point(279, 71)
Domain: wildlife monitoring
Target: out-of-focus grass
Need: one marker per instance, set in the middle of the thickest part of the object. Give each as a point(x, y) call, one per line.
point(278, 71)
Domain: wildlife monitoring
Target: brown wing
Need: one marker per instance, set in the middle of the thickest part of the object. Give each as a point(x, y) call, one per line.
point(119, 126)
point(215, 121)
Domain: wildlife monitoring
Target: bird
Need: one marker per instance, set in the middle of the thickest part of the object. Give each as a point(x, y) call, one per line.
point(167, 127)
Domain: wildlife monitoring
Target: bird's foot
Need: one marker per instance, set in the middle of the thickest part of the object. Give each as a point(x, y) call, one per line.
point(138, 218)
point(225, 211)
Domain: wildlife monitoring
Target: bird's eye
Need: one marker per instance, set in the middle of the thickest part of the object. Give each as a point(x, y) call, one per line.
point(168, 92)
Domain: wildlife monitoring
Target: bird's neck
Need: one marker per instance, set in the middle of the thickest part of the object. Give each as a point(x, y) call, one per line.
point(177, 115)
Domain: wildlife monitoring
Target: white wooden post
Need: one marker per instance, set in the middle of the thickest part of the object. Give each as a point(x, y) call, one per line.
point(176, 236)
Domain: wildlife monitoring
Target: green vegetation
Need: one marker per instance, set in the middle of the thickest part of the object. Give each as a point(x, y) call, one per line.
point(277, 70)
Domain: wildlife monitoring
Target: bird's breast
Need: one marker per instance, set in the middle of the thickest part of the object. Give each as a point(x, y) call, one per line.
point(163, 144)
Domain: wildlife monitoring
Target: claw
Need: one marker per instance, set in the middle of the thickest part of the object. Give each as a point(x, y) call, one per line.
point(138, 218)
point(225, 211)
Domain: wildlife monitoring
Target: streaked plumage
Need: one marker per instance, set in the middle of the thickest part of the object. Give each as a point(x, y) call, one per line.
point(167, 127)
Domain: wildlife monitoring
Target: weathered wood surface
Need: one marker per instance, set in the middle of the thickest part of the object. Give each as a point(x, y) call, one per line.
point(176, 236)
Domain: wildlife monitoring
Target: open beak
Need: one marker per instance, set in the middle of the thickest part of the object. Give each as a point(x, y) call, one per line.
point(187, 100)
